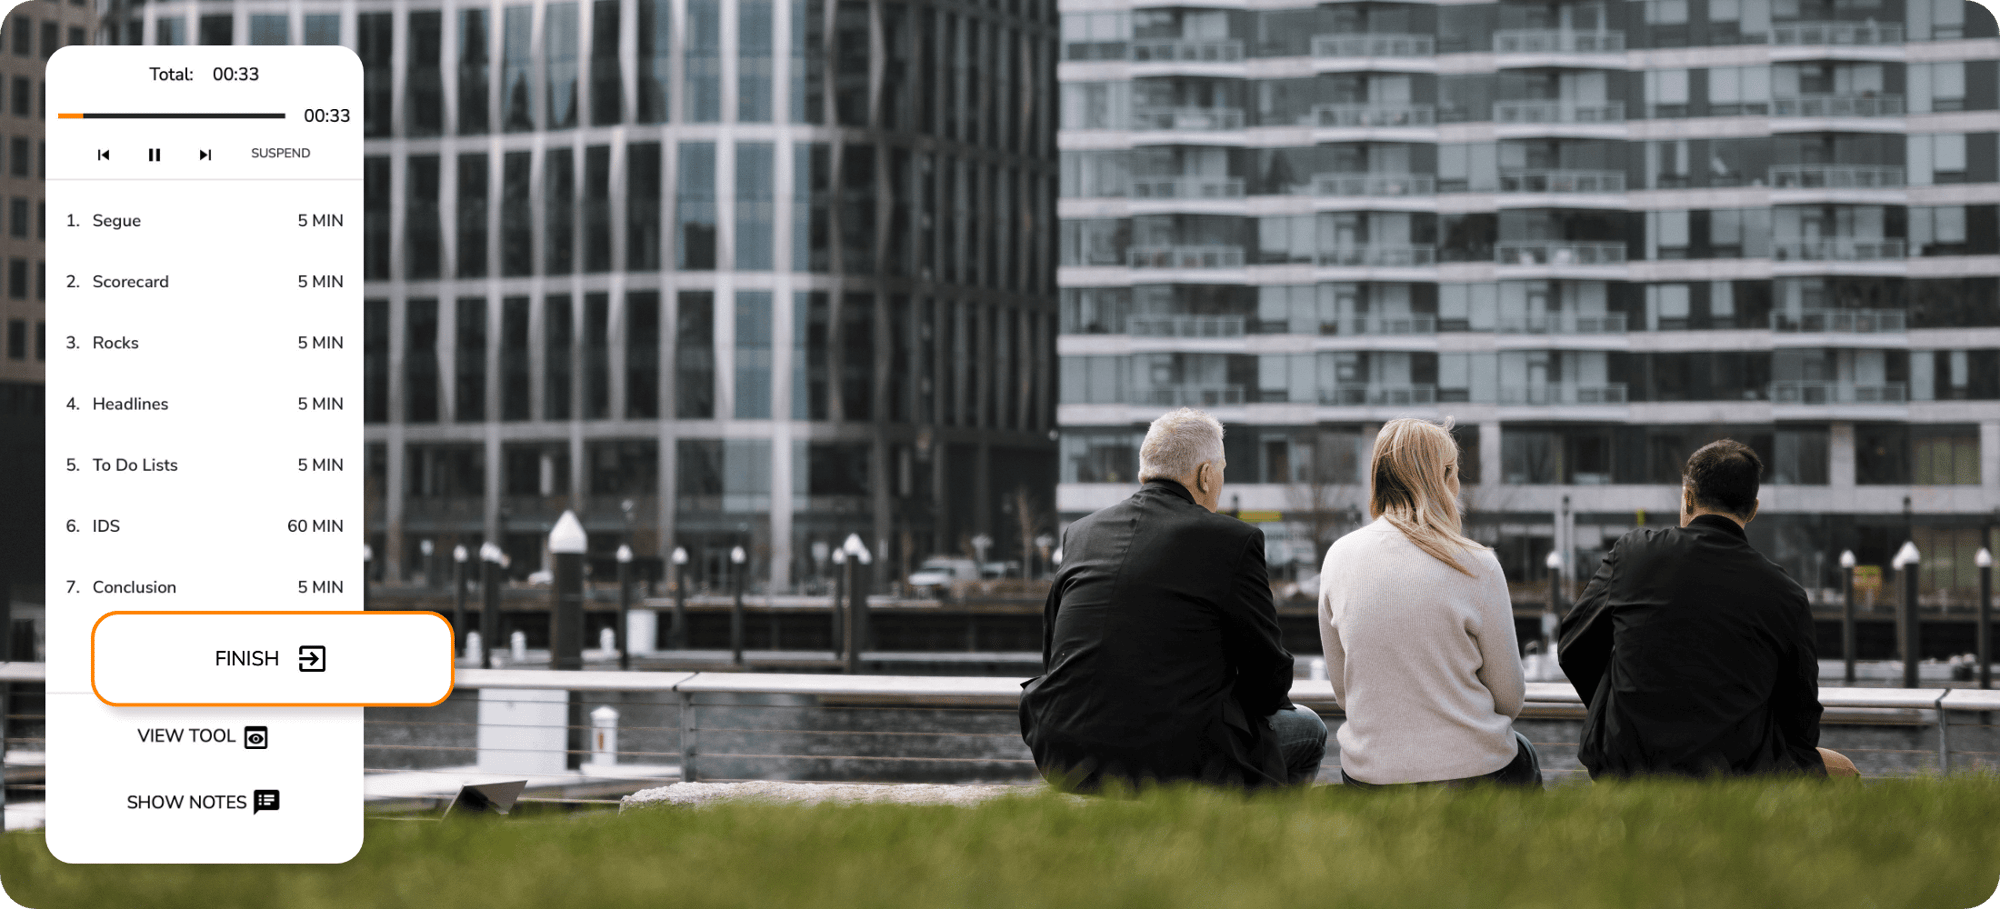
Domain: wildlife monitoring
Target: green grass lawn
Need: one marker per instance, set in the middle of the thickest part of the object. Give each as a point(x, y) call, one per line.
point(1908, 843)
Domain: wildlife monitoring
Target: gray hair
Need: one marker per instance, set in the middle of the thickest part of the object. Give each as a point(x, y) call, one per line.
point(1177, 443)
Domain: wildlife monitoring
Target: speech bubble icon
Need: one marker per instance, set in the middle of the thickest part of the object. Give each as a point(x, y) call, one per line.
point(264, 800)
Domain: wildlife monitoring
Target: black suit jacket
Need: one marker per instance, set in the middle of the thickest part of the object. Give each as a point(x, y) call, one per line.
point(1160, 650)
point(1695, 655)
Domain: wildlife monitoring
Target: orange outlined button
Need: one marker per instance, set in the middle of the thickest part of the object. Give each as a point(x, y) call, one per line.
point(271, 659)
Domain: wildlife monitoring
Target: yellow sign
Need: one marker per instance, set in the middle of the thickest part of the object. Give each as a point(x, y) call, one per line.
point(1260, 517)
point(1867, 579)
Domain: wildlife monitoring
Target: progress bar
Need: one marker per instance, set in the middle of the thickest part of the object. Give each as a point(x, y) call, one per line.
point(170, 116)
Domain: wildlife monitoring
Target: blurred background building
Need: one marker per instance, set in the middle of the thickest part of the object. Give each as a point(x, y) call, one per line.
point(708, 272)
point(1597, 235)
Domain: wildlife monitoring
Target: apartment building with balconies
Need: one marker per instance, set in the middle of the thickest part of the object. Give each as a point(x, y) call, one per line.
point(1595, 235)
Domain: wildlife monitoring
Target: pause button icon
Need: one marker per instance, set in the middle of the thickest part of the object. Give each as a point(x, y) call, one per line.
point(152, 154)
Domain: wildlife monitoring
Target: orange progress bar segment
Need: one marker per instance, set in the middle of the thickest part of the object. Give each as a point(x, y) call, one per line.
point(272, 659)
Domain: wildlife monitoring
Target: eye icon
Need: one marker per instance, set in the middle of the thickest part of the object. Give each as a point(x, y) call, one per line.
point(256, 737)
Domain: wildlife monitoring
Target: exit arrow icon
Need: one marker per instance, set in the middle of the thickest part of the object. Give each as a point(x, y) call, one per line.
point(312, 658)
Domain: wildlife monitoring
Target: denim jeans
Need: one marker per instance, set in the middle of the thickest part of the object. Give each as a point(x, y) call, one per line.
point(1302, 740)
point(1524, 770)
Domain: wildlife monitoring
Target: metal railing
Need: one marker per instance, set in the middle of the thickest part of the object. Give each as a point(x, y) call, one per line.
point(1559, 252)
point(1364, 395)
point(1192, 118)
point(1838, 106)
point(1839, 249)
point(1187, 50)
point(1378, 256)
point(1835, 176)
point(1187, 187)
point(1185, 396)
point(1563, 394)
point(1557, 41)
point(1388, 325)
point(1374, 184)
point(1558, 111)
point(1607, 324)
point(1187, 257)
point(1186, 326)
point(1382, 45)
point(1337, 115)
point(1859, 321)
point(1797, 392)
point(1562, 181)
point(1853, 33)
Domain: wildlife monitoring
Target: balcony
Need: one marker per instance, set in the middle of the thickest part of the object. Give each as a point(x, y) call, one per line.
point(1562, 181)
point(1191, 396)
point(1791, 249)
point(1329, 116)
point(1557, 41)
point(1552, 111)
point(1374, 184)
point(1838, 393)
point(1857, 321)
point(1185, 326)
point(1563, 394)
point(1390, 325)
point(1193, 118)
point(1559, 252)
point(1835, 176)
point(1187, 257)
point(1837, 33)
point(1383, 45)
point(1187, 50)
point(1601, 324)
point(1378, 256)
point(1187, 187)
point(1838, 106)
point(1386, 395)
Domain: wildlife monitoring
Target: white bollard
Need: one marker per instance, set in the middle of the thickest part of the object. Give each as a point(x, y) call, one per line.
point(642, 628)
point(519, 645)
point(474, 647)
point(604, 736)
point(607, 640)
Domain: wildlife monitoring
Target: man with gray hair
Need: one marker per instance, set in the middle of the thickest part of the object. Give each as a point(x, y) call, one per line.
point(1161, 655)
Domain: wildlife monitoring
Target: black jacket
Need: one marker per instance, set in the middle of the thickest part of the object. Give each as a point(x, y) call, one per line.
point(1695, 656)
point(1160, 650)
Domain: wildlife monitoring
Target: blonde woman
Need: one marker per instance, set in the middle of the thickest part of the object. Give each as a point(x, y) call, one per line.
point(1419, 631)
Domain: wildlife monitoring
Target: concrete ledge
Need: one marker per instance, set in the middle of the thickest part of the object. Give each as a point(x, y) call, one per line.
point(700, 795)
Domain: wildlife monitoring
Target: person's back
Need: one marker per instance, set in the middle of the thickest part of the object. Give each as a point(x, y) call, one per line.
point(1161, 647)
point(1692, 652)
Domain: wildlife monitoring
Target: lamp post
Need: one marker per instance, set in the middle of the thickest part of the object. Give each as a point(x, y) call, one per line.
point(367, 556)
point(1550, 613)
point(489, 602)
point(1905, 564)
point(736, 559)
point(458, 557)
point(567, 542)
point(624, 606)
point(1847, 614)
point(429, 549)
point(1984, 560)
point(679, 633)
point(840, 576)
point(857, 606)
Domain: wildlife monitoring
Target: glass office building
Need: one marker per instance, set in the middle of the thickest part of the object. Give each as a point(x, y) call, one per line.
point(708, 272)
point(1596, 235)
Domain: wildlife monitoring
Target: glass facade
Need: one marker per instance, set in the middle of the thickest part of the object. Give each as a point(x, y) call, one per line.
point(601, 242)
point(1595, 235)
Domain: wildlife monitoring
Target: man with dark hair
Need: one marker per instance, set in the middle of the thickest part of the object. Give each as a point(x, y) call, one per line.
point(1693, 653)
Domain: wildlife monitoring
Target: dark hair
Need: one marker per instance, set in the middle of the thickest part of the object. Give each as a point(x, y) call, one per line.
point(1722, 476)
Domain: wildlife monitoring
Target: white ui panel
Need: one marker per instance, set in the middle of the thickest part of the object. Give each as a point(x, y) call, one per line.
point(204, 452)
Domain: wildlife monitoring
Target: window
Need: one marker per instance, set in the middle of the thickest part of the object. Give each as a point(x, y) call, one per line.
point(837, 469)
point(271, 29)
point(642, 206)
point(375, 361)
point(559, 215)
point(597, 208)
point(17, 217)
point(607, 102)
point(472, 181)
point(850, 62)
point(812, 179)
point(857, 356)
point(420, 361)
point(170, 31)
point(857, 209)
point(1937, 159)
point(425, 77)
point(24, 36)
point(474, 62)
point(469, 361)
point(812, 320)
point(753, 355)
point(19, 156)
point(756, 205)
point(376, 44)
point(515, 390)
point(808, 89)
point(322, 29)
point(1100, 455)
point(1881, 454)
point(753, 61)
point(24, 96)
point(1666, 90)
point(558, 339)
point(642, 355)
point(654, 41)
point(694, 356)
point(695, 208)
point(703, 103)
point(596, 356)
point(559, 39)
point(1945, 456)
point(421, 218)
point(517, 57)
point(517, 228)
point(17, 339)
point(221, 29)
point(623, 467)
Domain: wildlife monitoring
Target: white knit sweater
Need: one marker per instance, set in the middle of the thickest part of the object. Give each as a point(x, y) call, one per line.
point(1422, 658)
